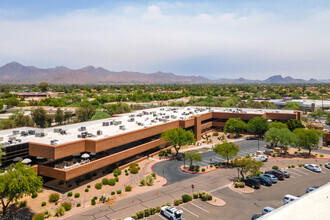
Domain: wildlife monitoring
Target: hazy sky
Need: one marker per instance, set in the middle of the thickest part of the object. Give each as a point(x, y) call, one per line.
point(225, 38)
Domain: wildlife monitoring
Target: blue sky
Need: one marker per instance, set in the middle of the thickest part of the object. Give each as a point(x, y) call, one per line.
point(230, 38)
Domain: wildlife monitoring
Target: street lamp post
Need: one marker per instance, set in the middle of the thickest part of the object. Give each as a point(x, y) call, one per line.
point(258, 142)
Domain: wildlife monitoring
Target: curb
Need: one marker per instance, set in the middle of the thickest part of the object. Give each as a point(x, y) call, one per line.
point(158, 174)
point(299, 158)
point(190, 172)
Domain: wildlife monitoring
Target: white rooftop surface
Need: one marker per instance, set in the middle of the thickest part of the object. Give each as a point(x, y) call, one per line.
point(308, 102)
point(92, 127)
point(313, 205)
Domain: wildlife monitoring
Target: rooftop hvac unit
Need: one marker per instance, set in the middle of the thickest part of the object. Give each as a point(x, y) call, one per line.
point(105, 123)
point(40, 134)
point(54, 142)
point(99, 132)
point(119, 122)
point(31, 132)
point(24, 133)
point(63, 132)
point(82, 129)
point(131, 120)
point(15, 132)
point(111, 122)
point(122, 127)
point(57, 130)
point(173, 116)
point(162, 109)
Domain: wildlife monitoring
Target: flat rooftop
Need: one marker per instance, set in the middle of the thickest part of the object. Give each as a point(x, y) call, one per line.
point(103, 128)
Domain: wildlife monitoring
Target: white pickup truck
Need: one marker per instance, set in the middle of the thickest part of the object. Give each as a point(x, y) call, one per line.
point(262, 158)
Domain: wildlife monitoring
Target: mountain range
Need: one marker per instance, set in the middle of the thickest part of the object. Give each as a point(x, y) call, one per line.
point(16, 73)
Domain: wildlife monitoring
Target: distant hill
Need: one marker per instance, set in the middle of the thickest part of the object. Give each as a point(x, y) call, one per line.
point(17, 73)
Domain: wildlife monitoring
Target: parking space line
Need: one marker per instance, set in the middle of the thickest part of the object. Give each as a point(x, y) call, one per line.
point(189, 211)
point(162, 217)
point(200, 207)
point(295, 173)
point(219, 158)
point(302, 172)
point(207, 161)
point(204, 163)
point(221, 187)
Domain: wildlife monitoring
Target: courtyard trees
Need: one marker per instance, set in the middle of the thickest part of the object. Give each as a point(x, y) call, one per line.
point(245, 165)
point(235, 125)
point(39, 116)
point(281, 137)
point(294, 123)
point(19, 180)
point(178, 137)
point(258, 125)
point(307, 138)
point(227, 150)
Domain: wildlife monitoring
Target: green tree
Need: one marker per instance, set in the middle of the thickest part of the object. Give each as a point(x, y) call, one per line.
point(293, 124)
point(192, 156)
point(258, 125)
point(277, 124)
point(36, 89)
point(317, 114)
point(39, 117)
point(59, 116)
point(235, 125)
point(43, 86)
point(328, 117)
point(67, 116)
point(21, 120)
point(292, 106)
point(85, 112)
point(245, 165)
point(1, 154)
point(308, 138)
point(227, 150)
point(178, 137)
point(11, 102)
point(19, 181)
point(256, 105)
point(281, 137)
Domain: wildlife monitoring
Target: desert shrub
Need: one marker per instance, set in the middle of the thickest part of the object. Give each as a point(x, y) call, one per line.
point(88, 186)
point(143, 182)
point(34, 195)
point(293, 166)
point(126, 174)
point(69, 194)
point(217, 166)
point(321, 155)
point(112, 182)
point(275, 167)
point(117, 171)
point(118, 192)
point(113, 193)
point(239, 184)
point(211, 165)
point(128, 188)
point(320, 164)
point(78, 205)
point(67, 206)
point(105, 181)
point(161, 153)
point(86, 190)
point(186, 198)
point(146, 212)
point(56, 203)
point(60, 211)
point(157, 209)
point(95, 197)
point(43, 203)
point(54, 197)
point(195, 195)
point(93, 202)
point(22, 204)
point(152, 211)
point(134, 170)
point(134, 217)
point(77, 195)
point(150, 180)
point(154, 175)
point(39, 216)
point(300, 165)
point(289, 166)
point(140, 214)
point(40, 190)
point(88, 176)
point(98, 186)
point(206, 197)
point(203, 169)
point(216, 134)
point(49, 213)
point(194, 168)
point(117, 179)
point(176, 202)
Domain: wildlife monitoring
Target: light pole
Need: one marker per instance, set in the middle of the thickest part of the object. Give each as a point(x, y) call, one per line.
point(258, 142)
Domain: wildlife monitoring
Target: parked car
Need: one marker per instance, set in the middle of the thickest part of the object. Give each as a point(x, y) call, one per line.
point(171, 213)
point(264, 180)
point(262, 158)
point(310, 189)
point(279, 175)
point(129, 218)
point(327, 165)
point(267, 209)
point(313, 167)
point(289, 198)
point(254, 183)
point(285, 173)
point(255, 216)
point(270, 176)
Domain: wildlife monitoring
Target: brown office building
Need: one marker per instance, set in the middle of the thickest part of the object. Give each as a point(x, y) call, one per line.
point(69, 151)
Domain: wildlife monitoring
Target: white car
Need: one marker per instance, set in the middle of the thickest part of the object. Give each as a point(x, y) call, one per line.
point(313, 167)
point(262, 158)
point(267, 209)
point(289, 198)
point(327, 165)
point(129, 218)
point(171, 213)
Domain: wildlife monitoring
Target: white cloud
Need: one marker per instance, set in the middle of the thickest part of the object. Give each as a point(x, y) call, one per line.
point(147, 38)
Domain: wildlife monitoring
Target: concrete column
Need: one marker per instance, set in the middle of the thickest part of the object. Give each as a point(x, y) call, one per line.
point(197, 128)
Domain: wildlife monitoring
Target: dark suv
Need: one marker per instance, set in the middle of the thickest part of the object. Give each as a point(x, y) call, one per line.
point(279, 175)
point(254, 183)
point(264, 180)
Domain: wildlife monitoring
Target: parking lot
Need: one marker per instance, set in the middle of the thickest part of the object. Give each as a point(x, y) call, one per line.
point(243, 206)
